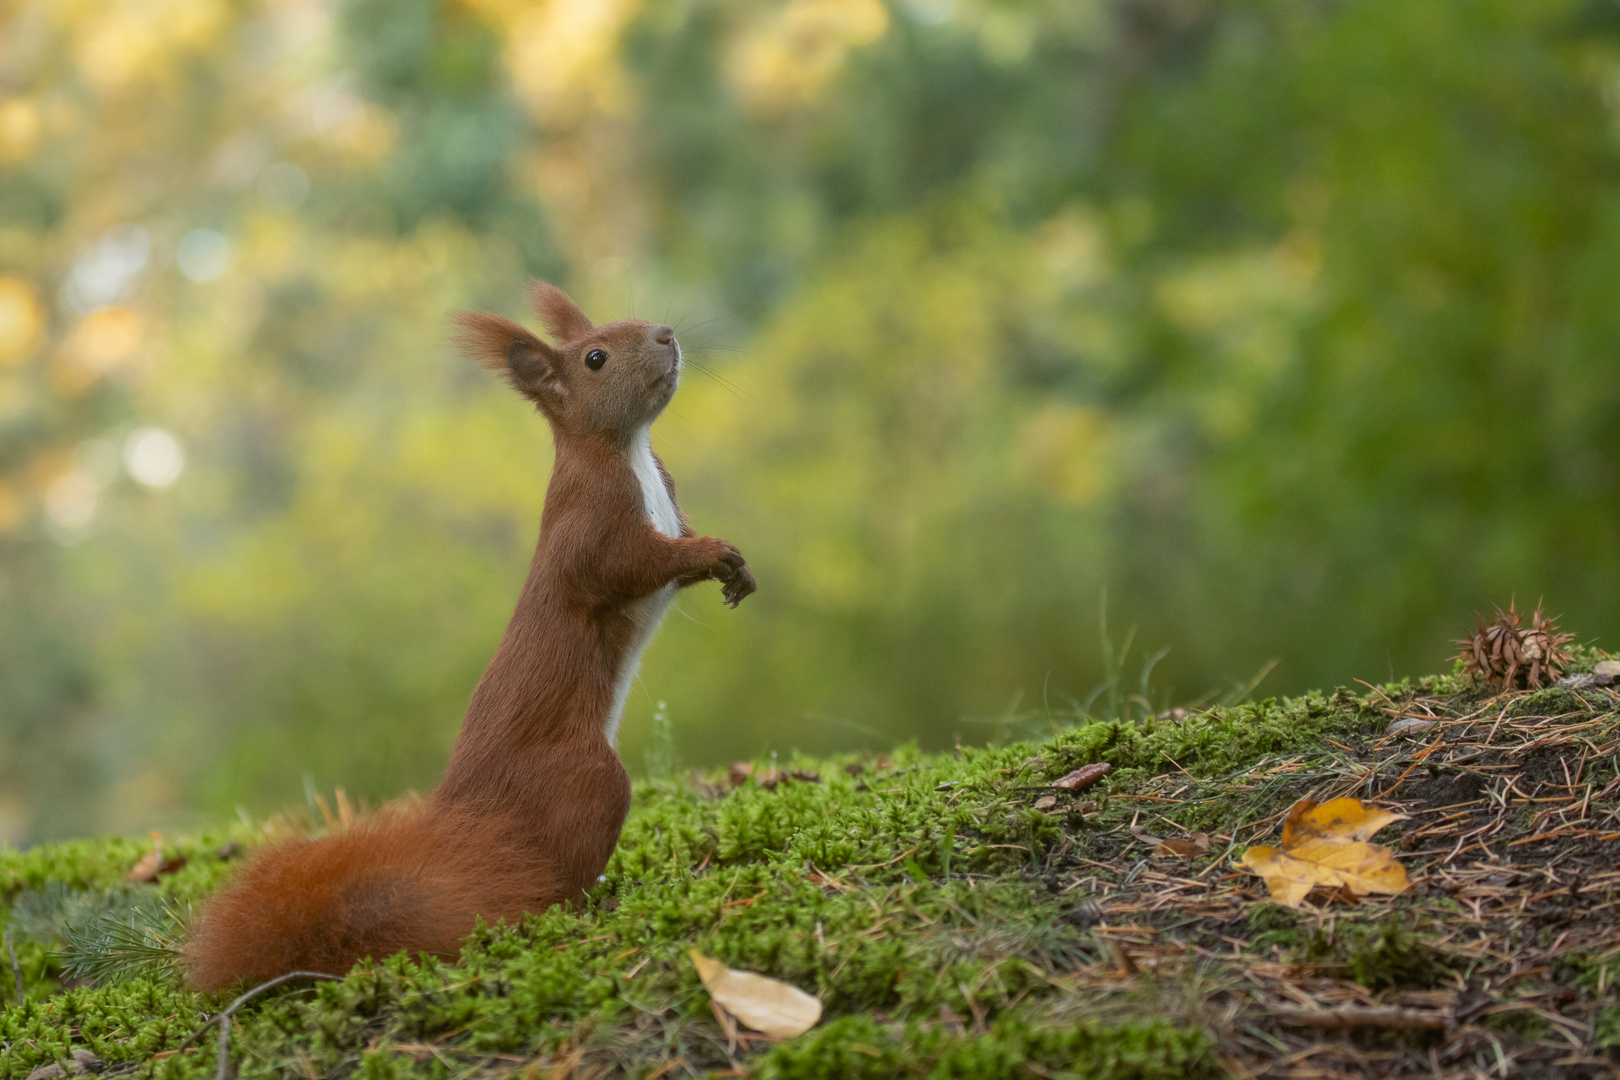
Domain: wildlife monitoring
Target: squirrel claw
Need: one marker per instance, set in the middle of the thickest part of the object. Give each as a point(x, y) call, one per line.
point(739, 585)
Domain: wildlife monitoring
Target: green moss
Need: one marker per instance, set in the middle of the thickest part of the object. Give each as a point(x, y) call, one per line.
point(857, 1047)
point(1521, 1023)
point(1607, 1028)
point(912, 897)
point(1274, 925)
point(1387, 953)
point(1550, 701)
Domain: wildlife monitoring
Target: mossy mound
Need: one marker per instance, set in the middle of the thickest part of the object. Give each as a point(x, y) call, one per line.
point(951, 927)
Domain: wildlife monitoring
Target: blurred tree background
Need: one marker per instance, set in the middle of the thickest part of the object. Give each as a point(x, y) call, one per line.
point(1295, 325)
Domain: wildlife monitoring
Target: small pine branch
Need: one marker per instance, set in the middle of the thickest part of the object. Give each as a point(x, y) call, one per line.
point(112, 949)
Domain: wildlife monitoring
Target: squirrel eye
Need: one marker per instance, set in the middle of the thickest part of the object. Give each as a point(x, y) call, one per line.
point(595, 359)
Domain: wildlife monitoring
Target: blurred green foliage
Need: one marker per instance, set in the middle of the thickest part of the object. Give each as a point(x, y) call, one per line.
point(1293, 325)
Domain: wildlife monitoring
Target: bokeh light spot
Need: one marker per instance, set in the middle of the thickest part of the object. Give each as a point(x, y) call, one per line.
point(203, 255)
point(103, 273)
point(70, 500)
point(103, 341)
point(154, 457)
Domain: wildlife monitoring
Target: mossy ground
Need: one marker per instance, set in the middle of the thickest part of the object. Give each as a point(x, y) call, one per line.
point(954, 930)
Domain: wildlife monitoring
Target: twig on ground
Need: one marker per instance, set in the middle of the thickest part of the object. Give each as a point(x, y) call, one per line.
point(1354, 1016)
point(223, 1017)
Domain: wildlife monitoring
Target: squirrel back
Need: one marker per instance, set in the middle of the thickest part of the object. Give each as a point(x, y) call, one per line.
point(534, 797)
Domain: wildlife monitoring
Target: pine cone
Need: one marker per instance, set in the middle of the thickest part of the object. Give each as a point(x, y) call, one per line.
point(1501, 651)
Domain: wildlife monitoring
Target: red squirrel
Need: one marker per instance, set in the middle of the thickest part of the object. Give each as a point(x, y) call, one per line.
point(534, 797)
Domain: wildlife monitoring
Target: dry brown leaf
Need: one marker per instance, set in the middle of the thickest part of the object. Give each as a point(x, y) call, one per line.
point(1145, 837)
point(1046, 802)
point(153, 863)
point(1327, 846)
point(1188, 847)
point(1083, 777)
point(764, 1004)
point(147, 868)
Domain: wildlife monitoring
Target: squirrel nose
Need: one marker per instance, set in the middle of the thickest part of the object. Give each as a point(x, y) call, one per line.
point(663, 335)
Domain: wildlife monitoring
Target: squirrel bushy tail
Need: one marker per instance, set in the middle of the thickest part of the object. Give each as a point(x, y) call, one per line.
point(414, 877)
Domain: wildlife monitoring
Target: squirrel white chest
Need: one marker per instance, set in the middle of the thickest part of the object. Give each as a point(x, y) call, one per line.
point(654, 494)
point(647, 612)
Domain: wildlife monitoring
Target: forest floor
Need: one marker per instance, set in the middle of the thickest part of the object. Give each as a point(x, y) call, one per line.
point(959, 916)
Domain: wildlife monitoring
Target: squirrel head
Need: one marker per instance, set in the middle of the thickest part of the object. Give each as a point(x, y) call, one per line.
point(595, 380)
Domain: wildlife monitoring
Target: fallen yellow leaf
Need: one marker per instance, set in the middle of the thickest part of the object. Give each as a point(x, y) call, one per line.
point(764, 1004)
point(1342, 819)
point(1358, 867)
point(1327, 846)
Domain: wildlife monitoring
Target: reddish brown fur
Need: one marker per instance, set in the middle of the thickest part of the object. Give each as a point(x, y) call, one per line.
point(534, 797)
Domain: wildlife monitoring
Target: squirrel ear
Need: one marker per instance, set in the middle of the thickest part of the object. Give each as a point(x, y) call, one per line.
point(532, 367)
point(560, 314)
point(502, 345)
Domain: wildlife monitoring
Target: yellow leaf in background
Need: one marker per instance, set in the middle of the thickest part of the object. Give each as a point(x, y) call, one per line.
point(564, 57)
point(764, 1004)
point(796, 51)
point(1327, 846)
point(1061, 449)
point(22, 318)
point(19, 129)
point(11, 513)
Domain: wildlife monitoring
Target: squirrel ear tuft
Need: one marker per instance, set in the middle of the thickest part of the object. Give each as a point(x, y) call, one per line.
point(485, 338)
point(561, 315)
point(502, 345)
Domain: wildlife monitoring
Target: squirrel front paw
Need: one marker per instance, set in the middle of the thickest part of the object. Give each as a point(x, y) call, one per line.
point(731, 570)
point(739, 585)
